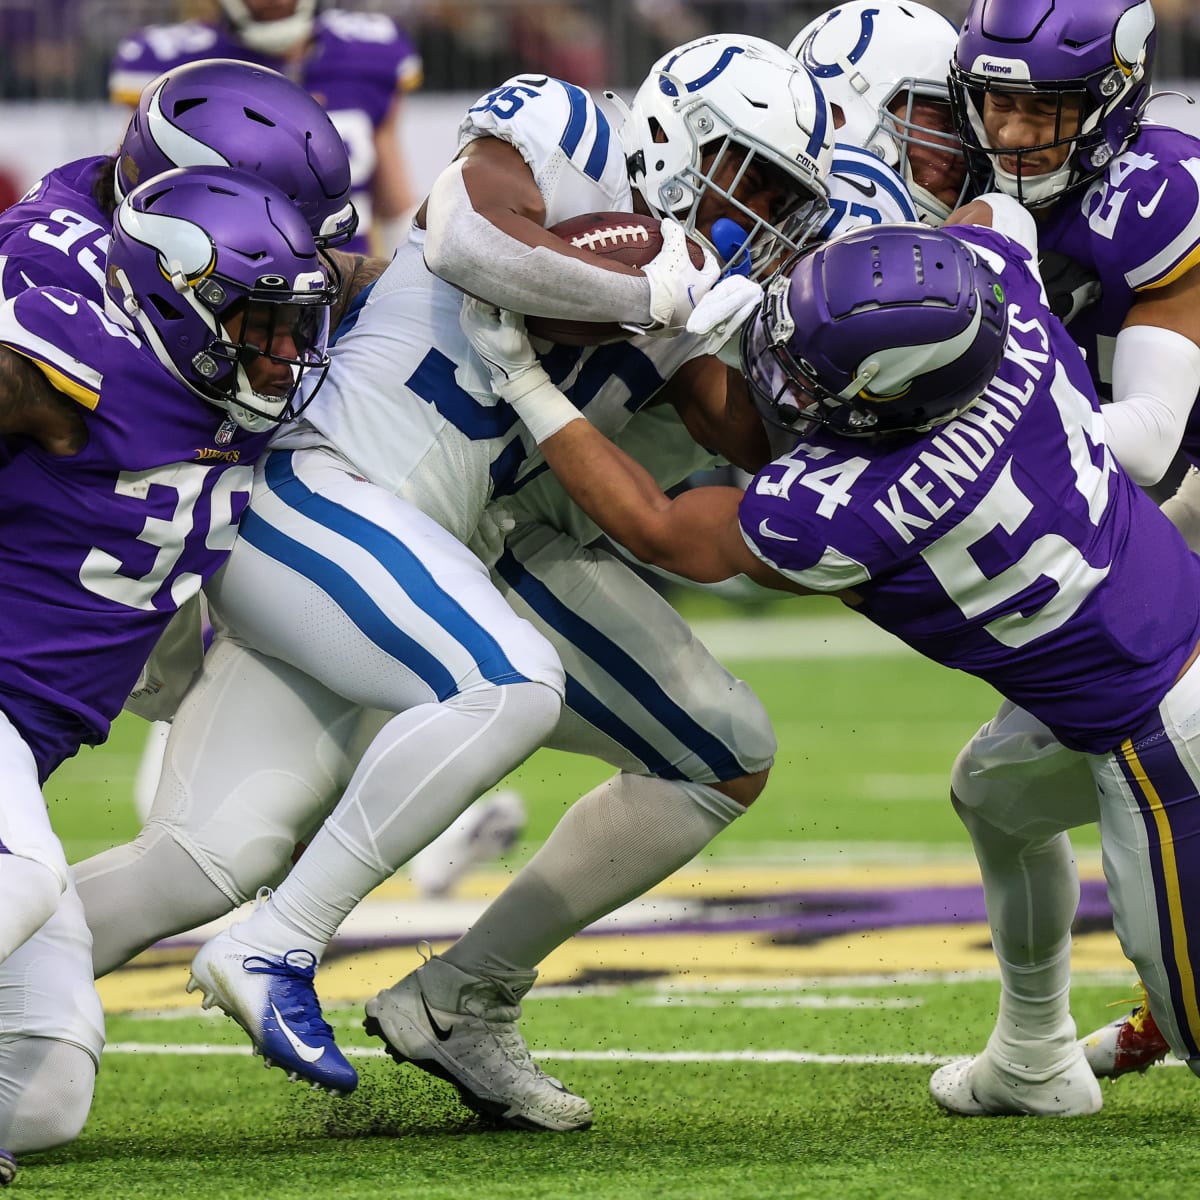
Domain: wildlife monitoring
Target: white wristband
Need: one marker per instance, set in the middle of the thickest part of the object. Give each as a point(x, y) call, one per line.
point(542, 407)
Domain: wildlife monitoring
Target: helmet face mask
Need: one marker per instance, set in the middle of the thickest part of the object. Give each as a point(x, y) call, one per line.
point(269, 346)
point(220, 112)
point(888, 330)
point(718, 120)
point(1089, 66)
point(877, 62)
point(220, 276)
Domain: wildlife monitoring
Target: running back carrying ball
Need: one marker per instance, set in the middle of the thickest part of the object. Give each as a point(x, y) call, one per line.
point(630, 238)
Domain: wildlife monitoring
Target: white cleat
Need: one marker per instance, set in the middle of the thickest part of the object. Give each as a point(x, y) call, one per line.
point(981, 1087)
point(487, 830)
point(487, 1060)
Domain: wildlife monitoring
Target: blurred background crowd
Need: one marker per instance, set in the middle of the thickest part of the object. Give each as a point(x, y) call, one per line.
point(61, 49)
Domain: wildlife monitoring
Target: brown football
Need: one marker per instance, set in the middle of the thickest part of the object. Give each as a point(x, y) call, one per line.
point(630, 238)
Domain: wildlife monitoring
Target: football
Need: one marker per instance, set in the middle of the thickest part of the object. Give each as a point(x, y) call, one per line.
point(629, 238)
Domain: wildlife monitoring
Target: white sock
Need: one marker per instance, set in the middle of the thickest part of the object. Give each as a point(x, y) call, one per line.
point(611, 845)
point(1032, 893)
point(420, 772)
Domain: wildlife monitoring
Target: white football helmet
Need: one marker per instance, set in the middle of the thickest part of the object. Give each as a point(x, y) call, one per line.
point(271, 37)
point(866, 53)
point(731, 101)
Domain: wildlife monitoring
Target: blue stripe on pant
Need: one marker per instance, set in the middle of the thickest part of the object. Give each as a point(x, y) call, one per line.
point(409, 572)
point(631, 676)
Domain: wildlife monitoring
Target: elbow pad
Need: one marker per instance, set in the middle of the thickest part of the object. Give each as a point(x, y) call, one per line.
point(466, 249)
point(1156, 373)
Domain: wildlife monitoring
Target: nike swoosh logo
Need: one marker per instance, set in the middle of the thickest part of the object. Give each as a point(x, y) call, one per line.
point(868, 189)
point(1146, 210)
point(71, 307)
point(767, 532)
point(310, 1054)
point(438, 1032)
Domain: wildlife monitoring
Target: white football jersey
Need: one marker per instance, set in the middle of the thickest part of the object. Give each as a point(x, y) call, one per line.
point(408, 402)
point(864, 190)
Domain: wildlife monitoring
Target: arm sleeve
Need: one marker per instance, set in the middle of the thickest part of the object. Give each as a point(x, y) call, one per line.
point(1156, 374)
point(467, 250)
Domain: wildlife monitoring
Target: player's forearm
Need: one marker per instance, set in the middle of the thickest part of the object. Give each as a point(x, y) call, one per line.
point(616, 491)
point(512, 263)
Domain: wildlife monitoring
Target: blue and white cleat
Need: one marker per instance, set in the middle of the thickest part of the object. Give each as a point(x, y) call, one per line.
point(8, 1168)
point(274, 1001)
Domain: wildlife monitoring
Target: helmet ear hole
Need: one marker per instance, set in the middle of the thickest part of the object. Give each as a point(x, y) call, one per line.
point(166, 310)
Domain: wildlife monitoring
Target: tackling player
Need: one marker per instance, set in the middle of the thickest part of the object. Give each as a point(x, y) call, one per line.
point(146, 415)
point(358, 65)
point(951, 481)
point(1051, 101)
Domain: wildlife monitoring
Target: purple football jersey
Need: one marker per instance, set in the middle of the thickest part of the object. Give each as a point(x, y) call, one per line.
point(98, 549)
point(1005, 543)
point(56, 235)
point(358, 63)
point(1138, 228)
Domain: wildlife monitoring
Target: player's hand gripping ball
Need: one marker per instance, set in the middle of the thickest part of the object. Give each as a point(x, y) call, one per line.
point(629, 238)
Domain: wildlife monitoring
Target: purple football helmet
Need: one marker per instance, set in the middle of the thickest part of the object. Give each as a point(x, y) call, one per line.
point(220, 112)
point(219, 274)
point(1094, 54)
point(890, 329)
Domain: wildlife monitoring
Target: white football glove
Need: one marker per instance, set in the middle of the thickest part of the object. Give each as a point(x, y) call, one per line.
point(499, 338)
point(720, 315)
point(676, 283)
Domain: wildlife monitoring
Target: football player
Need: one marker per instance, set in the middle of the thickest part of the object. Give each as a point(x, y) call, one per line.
point(147, 414)
point(1051, 102)
point(206, 112)
point(359, 66)
point(882, 67)
point(951, 481)
point(361, 519)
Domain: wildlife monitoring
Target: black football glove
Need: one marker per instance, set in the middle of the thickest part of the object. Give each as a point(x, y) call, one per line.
point(1070, 286)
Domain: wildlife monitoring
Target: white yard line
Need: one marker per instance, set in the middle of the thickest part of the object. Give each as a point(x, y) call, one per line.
point(800, 1057)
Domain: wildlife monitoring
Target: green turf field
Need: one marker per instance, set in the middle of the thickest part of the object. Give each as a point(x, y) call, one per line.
point(721, 1065)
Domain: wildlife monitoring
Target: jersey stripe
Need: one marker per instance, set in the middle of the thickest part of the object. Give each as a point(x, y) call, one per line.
point(582, 106)
point(79, 381)
point(1180, 255)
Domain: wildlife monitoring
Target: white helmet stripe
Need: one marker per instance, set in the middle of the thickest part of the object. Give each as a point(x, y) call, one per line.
point(181, 148)
point(889, 372)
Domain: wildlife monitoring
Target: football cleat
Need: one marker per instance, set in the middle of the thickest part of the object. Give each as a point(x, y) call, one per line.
point(985, 1087)
point(485, 831)
point(8, 1168)
point(1130, 1043)
point(274, 1001)
point(462, 1028)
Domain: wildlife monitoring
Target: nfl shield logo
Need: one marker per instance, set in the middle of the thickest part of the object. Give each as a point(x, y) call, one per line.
point(226, 431)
